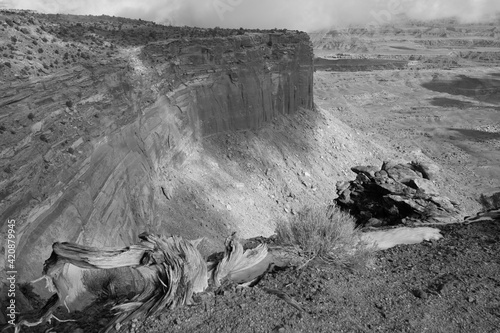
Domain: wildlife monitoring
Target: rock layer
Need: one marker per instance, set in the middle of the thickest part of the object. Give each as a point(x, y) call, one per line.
point(87, 150)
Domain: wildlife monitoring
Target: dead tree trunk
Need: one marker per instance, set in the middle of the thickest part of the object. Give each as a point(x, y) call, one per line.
point(162, 272)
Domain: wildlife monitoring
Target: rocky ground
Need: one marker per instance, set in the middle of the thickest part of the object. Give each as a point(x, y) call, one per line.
point(450, 285)
point(447, 117)
point(422, 288)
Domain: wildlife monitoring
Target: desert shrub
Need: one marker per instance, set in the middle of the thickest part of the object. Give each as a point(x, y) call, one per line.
point(31, 116)
point(7, 64)
point(325, 233)
point(316, 233)
point(69, 104)
point(40, 50)
point(13, 39)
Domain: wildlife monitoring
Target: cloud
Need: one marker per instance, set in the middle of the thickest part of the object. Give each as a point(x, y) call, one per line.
point(291, 14)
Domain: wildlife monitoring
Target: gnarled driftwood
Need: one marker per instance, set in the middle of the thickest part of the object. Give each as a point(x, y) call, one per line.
point(159, 272)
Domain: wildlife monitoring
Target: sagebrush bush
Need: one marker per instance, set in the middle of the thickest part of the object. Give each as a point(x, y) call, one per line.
point(326, 233)
point(318, 231)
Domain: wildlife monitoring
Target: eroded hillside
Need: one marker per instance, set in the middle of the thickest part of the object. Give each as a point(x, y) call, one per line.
point(98, 115)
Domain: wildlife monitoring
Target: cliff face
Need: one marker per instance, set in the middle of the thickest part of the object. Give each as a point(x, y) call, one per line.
point(86, 151)
point(235, 83)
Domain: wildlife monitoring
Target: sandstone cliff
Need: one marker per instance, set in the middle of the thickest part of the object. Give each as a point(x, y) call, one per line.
point(87, 149)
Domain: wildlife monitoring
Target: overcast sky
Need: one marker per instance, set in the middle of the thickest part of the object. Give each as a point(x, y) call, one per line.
point(291, 14)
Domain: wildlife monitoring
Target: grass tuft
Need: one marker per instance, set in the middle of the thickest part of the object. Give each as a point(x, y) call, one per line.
point(325, 233)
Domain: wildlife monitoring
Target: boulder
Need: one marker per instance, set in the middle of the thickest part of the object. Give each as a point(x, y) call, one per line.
point(424, 185)
point(369, 170)
point(36, 127)
point(403, 173)
point(428, 170)
point(398, 193)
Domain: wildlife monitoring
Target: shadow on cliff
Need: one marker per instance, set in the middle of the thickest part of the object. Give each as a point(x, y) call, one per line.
point(287, 135)
point(241, 181)
point(484, 89)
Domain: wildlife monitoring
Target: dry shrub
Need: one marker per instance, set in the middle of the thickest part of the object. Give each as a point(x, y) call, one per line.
point(326, 233)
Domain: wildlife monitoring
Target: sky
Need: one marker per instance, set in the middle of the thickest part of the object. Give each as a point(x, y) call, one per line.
point(307, 15)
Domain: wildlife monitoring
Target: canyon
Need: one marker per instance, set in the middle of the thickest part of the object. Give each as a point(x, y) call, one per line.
point(89, 150)
point(111, 127)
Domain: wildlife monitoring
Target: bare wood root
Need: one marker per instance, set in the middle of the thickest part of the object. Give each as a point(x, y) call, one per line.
point(236, 262)
point(163, 272)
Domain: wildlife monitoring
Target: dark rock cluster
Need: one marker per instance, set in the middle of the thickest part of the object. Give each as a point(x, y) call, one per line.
point(396, 193)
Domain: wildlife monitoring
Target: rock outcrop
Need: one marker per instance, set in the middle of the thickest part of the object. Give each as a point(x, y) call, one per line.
point(86, 150)
point(397, 193)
